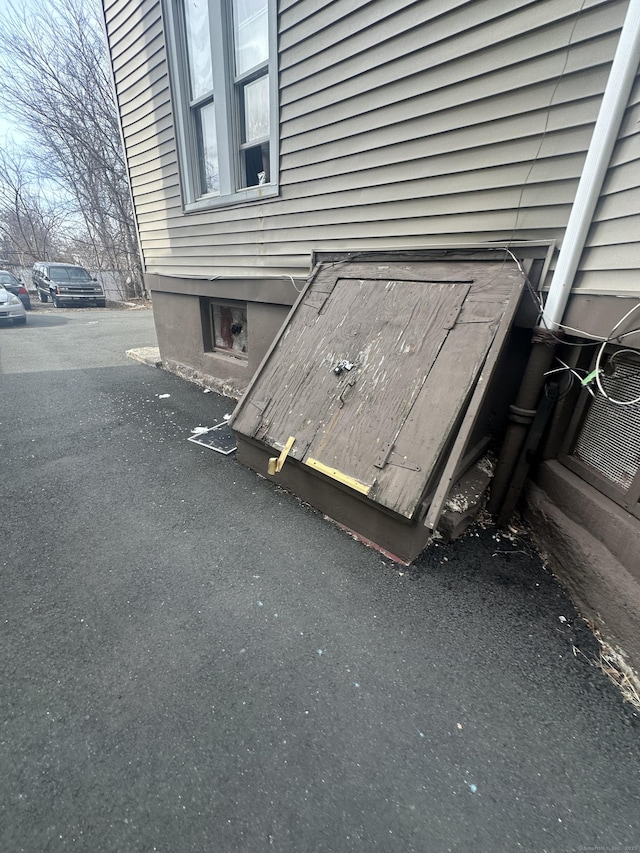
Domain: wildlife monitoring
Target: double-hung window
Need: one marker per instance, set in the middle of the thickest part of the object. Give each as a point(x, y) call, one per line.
point(222, 57)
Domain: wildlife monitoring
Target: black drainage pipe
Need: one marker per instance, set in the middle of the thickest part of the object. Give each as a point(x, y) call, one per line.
point(521, 414)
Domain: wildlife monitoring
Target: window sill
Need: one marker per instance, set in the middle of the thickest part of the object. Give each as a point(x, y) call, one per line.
point(250, 194)
point(221, 356)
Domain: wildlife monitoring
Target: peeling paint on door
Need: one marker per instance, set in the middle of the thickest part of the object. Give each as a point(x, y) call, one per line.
point(373, 372)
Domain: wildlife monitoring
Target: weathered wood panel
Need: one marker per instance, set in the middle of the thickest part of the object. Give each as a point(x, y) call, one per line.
point(373, 371)
point(426, 434)
point(382, 329)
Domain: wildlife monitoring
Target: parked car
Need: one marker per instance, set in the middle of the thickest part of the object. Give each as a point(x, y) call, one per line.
point(66, 283)
point(11, 308)
point(14, 285)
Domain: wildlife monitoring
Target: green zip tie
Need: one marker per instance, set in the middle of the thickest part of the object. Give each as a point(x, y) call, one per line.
point(588, 379)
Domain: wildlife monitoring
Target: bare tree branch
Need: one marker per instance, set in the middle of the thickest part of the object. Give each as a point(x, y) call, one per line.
point(56, 82)
point(30, 223)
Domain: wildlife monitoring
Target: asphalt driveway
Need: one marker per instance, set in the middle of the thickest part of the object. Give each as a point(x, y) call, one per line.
point(193, 660)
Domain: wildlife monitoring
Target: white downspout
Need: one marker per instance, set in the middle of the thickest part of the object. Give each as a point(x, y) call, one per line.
point(605, 133)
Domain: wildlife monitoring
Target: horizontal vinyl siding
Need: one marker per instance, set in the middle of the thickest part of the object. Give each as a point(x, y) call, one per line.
point(164, 151)
point(610, 262)
point(131, 89)
point(112, 8)
point(375, 204)
point(451, 43)
point(516, 138)
point(403, 124)
point(450, 100)
point(151, 31)
point(137, 103)
point(163, 136)
point(129, 26)
point(138, 57)
point(291, 240)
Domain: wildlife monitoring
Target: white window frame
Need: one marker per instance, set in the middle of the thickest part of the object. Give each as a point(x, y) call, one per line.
point(228, 119)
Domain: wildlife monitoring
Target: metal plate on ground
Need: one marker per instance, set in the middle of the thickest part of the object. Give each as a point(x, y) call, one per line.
point(219, 438)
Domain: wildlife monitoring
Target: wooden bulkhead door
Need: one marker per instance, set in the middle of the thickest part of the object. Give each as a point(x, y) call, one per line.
point(372, 372)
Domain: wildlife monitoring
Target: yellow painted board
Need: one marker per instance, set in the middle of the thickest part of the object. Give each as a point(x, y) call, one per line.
point(276, 463)
point(345, 479)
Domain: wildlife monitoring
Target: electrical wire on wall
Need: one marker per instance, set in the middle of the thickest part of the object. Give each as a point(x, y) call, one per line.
point(573, 373)
point(596, 375)
point(598, 367)
point(593, 340)
point(295, 287)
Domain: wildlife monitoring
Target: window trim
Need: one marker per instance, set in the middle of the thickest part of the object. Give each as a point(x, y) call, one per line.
point(226, 110)
point(209, 347)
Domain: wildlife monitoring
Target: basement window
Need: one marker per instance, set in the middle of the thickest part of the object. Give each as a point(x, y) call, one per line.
point(229, 328)
point(605, 448)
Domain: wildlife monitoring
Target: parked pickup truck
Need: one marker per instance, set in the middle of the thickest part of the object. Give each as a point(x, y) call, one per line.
point(66, 284)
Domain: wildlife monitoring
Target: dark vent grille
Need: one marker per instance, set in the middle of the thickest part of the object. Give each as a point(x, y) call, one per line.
point(609, 441)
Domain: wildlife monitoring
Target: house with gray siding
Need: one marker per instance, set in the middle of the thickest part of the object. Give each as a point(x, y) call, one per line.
point(266, 136)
